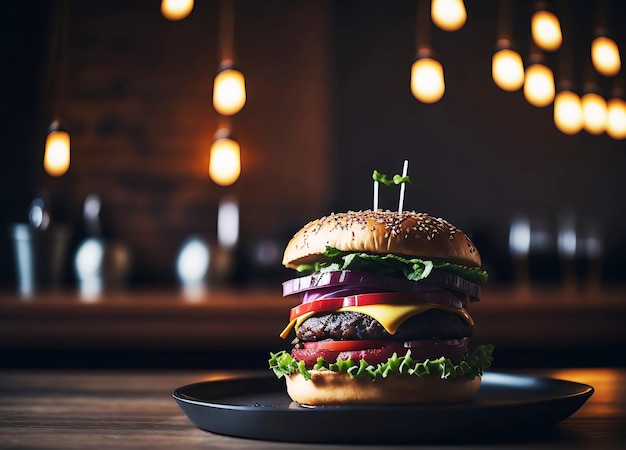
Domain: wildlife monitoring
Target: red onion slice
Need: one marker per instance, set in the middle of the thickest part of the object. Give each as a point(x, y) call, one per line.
point(330, 284)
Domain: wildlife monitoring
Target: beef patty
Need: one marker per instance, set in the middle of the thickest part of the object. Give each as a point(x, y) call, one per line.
point(349, 325)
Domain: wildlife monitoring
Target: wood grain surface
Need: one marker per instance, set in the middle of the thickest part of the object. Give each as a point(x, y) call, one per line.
point(123, 409)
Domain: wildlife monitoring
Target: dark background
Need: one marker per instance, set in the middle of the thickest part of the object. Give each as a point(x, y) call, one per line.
point(328, 101)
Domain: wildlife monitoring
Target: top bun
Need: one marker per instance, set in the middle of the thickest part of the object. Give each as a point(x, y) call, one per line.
point(407, 233)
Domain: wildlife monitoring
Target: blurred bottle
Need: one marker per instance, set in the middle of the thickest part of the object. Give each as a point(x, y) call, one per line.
point(567, 245)
point(101, 262)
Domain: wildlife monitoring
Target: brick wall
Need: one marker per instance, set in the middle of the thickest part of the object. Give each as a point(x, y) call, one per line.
point(138, 106)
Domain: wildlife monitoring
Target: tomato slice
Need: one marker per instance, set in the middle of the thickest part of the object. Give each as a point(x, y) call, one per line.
point(376, 351)
point(437, 297)
point(343, 346)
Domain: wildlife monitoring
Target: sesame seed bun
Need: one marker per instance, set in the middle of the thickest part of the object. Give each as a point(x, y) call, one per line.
point(380, 232)
point(337, 388)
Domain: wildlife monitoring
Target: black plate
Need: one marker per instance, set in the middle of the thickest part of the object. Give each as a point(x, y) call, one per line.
point(257, 406)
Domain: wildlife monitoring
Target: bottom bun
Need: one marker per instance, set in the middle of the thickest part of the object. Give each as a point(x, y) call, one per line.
point(337, 388)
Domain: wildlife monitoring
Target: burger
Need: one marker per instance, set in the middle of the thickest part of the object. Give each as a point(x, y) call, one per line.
point(383, 316)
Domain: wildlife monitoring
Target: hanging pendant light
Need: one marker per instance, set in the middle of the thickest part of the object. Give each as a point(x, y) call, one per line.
point(176, 9)
point(229, 90)
point(539, 89)
point(507, 67)
point(56, 159)
point(224, 158)
point(539, 85)
point(604, 50)
point(546, 28)
point(616, 112)
point(616, 118)
point(427, 80)
point(568, 114)
point(449, 15)
point(605, 56)
point(594, 111)
point(229, 85)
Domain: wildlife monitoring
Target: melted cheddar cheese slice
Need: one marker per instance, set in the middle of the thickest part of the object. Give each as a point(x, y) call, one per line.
point(389, 316)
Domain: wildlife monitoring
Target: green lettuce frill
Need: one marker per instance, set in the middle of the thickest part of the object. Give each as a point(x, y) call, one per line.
point(282, 363)
point(413, 269)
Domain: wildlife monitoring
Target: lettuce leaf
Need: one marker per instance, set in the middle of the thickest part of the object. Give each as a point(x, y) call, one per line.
point(413, 269)
point(474, 364)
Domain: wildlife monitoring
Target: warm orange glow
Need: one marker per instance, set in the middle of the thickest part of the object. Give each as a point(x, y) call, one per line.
point(427, 83)
point(546, 30)
point(594, 113)
point(616, 118)
point(539, 85)
point(449, 15)
point(605, 56)
point(229, 92)
point(507, 70)
point(224, 161)
point(56, 158)
point(176, 9)
point(607, 386)
point(568, 113)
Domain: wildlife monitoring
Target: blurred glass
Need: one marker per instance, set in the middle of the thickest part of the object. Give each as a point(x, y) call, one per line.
point(192, 267)
point(101, 265)
point(228, 223)
point(40, 256)
point(519, 247)
point(591, 251)
point(567, 246)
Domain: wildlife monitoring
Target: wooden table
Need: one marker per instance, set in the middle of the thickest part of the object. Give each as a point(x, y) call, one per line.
point(122, 409)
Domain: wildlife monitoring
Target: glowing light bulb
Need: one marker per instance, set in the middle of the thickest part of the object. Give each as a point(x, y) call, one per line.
point(546, 30)
point(449, 15)
point(225, 161)
point(176, 9)
point(539, 85)
point(594, 113)
point(616, 118)
point(605, 56)
point(507, 70)
point(56, 159)
point(568, 113)
point(229, 92)
point(427, 83)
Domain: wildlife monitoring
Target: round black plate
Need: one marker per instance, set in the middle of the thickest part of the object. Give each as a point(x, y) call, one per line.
point(257, 406)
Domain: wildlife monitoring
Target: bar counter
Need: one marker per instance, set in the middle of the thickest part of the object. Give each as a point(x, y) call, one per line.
point(125, 409)
point(529, 328)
